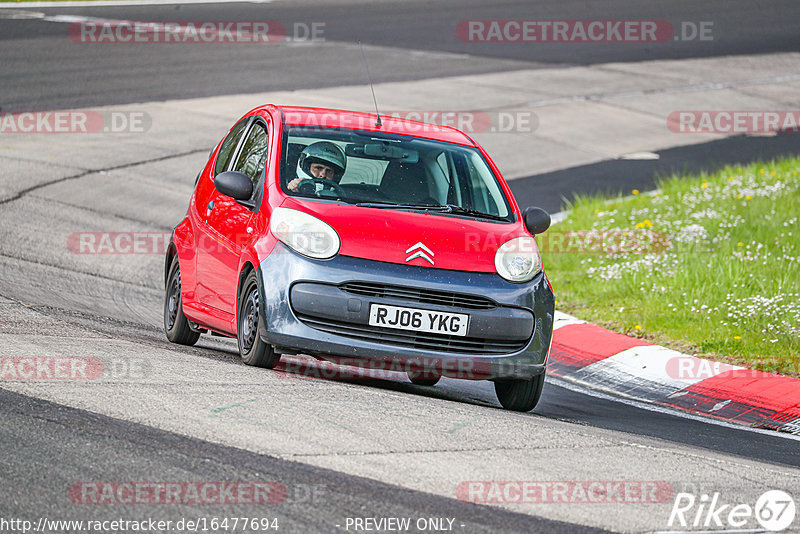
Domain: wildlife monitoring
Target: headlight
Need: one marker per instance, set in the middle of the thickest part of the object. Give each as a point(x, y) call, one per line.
point(304, 233)
point(518, 260)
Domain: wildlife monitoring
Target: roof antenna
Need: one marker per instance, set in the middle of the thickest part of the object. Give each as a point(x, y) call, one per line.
point(366, 66)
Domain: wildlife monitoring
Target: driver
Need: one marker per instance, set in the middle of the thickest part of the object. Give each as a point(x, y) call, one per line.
point(322, 160)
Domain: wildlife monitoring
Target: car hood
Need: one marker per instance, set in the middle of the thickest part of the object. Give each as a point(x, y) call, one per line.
point(430, 240)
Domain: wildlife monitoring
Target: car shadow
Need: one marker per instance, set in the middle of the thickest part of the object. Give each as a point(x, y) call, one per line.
point(308, 368)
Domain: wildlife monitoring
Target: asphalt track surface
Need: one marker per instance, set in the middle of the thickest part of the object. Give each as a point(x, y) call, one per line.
point(405, 41)
point(316, 499)
point(46, 446)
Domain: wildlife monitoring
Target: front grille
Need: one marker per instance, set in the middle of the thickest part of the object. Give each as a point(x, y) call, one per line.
point(417, 340)
point(423, 296)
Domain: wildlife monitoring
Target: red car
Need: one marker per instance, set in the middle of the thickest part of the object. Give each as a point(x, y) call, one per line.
point(363, 240)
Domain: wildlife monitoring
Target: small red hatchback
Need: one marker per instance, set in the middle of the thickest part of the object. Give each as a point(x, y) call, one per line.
point(365, 240)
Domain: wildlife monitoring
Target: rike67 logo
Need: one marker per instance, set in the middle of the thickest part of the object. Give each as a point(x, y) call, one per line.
point(774, 511)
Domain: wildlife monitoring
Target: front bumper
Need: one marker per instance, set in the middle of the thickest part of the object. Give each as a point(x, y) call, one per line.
point(322, 308)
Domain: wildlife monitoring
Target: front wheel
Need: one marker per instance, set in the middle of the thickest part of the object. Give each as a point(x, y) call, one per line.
point(176, 325)
point(519, 395)
point(251, 347)
point(423, 378)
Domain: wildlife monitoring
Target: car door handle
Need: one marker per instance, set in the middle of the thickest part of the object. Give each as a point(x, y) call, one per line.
point(210, 205)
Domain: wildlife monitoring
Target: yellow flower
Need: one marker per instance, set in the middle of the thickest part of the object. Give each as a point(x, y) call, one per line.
point(556, 303)
point(772, 173)
point(597, 212)
point(635, 191)
point(739, 244)
point(648, 223)
point(737, 337)
point(763, 171)
point(748, 197)
point(638, 327)
point(705, 185)
point(730, 178)
point(739, 195)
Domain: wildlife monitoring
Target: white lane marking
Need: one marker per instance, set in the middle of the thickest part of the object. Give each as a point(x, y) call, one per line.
point(114, 3)
point(719, 406)
point(562, 319)
point(69, 19)
point(578, 387)
point(640, 156)
point(658, 364)
point(14, 15)
point(793, 426)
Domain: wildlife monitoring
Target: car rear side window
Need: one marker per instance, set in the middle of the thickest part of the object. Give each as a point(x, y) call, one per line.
point(229, 145)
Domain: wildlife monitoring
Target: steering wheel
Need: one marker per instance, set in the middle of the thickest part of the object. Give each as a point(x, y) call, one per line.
point(305, 187)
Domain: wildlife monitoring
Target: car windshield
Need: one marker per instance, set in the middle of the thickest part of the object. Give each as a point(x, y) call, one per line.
point(391, 171)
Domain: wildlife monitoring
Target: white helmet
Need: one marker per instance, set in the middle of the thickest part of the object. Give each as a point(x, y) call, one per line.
point(324, 152)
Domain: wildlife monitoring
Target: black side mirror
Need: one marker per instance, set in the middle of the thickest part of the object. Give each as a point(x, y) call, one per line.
point(234, 184)
point(536, 220)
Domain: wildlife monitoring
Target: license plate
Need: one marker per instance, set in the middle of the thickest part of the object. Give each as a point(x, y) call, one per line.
point(454, 324)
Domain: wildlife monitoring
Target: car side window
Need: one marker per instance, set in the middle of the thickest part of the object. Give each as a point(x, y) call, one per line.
point(229, 146)
point(252, 158)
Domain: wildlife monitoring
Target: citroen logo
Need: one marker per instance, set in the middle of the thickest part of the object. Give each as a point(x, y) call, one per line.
point(420, 253)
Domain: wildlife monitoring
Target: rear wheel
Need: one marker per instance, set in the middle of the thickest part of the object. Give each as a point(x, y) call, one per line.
point(519, 395)
point(176, 325)
point(252, 348)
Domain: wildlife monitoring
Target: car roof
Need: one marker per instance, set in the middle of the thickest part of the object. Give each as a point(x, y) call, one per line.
point(337, 118)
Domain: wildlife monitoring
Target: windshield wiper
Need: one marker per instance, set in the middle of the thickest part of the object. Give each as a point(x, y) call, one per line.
point(447, 208)
point(459, 210)
point(390, 205)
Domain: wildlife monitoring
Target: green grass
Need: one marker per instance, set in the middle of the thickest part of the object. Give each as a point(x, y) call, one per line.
point(710, 264)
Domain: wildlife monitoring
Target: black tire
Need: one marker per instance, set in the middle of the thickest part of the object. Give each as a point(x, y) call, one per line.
point(176, 325)
point(423, 378)
point(251, 347)
point(519, 395)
